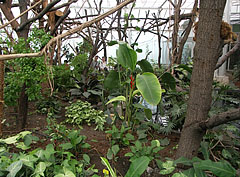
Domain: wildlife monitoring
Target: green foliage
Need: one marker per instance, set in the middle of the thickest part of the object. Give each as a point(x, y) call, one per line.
point(145, 66)
point(58, 160)
point(200, 167)
point(30, 71)
point(45, 162)
point(112, 152)
point(141, 149)
point(150, 88)
point(138, 166)
point(136, 169)
point(62, 77)
point(82, 112)
point(120, 136)
point(22, 140)
point(79, 62)
point(48, 105)
point(126, 56)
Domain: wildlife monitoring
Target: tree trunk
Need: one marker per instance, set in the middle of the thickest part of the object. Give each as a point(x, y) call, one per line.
point(1, 94)
point(23, 99)
point(206, 54)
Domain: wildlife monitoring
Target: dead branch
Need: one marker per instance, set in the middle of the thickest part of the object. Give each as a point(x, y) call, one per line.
point(68, 33)
point(40, 15)
point(228, 54)
point(60, 20)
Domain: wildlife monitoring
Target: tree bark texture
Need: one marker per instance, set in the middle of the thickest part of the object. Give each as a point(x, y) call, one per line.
point(206, 54)
point(23, 98)
point(1, 94)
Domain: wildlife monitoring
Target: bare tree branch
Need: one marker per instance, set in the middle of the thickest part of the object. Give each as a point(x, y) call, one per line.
point(220, 119)
point(20, 15)
point(228, 54)
point(68, 33)
point(62, 5)
point(40, 15)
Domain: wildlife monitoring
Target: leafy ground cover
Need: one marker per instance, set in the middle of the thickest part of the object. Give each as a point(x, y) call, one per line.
point(100, 141)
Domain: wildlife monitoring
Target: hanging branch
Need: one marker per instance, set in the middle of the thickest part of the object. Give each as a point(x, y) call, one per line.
point(40, 15)
point(68, 33)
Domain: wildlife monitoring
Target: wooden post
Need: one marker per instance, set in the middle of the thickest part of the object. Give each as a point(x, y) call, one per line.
point(1, 93)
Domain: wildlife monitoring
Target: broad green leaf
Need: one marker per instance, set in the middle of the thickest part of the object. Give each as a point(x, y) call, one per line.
point(204, 149)
point(140, 106)
point(150, 88)
point(220, 169)
point(110, 154)
point(28, 140)
point(66, 146)
point(40, 168)
point(59, 175)
point(14, 168)
point(168, 167)
point(135, 92)
point(112, 80)
point(118, 98)
point(155, 143)
point(148, 113)
point(86, 158)
point(189, 173)
point(115, 149)
point(28, 160)
point(126, 56)
point(138, 166)
point(184, 161)
point(11, 140)
point(106, 163)
point(111, 43)
point(179, 175)
point(168, 80)
point(145, 66)
point(24, 133)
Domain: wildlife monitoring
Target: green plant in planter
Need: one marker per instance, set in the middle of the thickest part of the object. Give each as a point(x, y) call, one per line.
point(147, 83)
point(82, 112)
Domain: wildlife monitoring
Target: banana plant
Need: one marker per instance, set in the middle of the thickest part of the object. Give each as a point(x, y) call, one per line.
point(147, 84)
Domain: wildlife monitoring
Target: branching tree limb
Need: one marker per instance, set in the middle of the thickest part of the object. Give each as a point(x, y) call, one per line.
point(6, 24)
point(228, 54)
point(220, 119)
point(68, 33)
point(40, 15)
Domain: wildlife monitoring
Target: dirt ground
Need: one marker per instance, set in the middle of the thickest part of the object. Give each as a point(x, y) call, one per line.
point(98, 140)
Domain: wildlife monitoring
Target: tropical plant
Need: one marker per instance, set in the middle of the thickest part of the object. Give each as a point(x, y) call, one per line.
point(120, 136)
point(127, 58)
point(137, 167)
point(81, 112)
point(142, 149)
